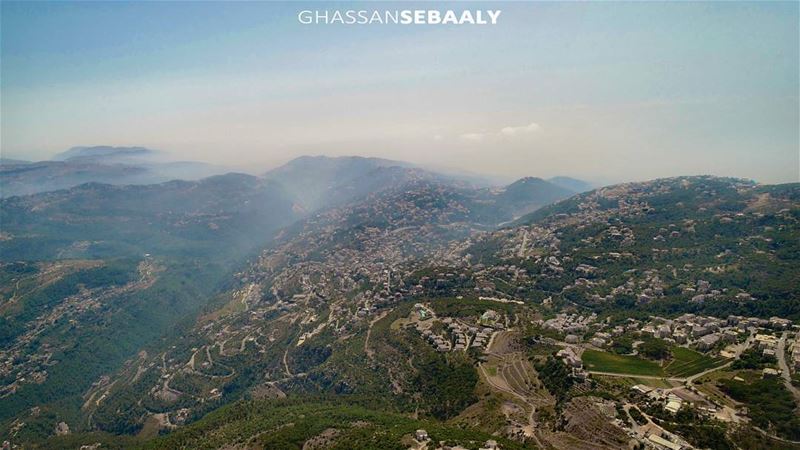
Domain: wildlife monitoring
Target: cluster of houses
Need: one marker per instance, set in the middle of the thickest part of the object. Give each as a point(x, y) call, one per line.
point(570, 323)
point(706, 332)
point(796, 352)
point(440, 343)
point(573, 361)
point(461, 336)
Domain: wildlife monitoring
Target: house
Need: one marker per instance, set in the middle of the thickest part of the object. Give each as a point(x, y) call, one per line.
point(570, 358)
point(766, 341)
point(491, 444)
point(781, 324)
point(663, 331)
point(421, 435)
point(707, 342)
point(730, 336)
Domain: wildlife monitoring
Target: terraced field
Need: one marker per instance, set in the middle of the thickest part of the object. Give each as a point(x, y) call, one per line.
point(688, 362)
point(611, 363)
point(521, 378)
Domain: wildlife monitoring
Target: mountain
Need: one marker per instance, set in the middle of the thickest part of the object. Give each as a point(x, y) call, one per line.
point(528, 194)
point(103, 164)
point(104, 153)
point(317, 181)
point(9, 161)
point(321, 181)
point(571, 184)
point(415, 302)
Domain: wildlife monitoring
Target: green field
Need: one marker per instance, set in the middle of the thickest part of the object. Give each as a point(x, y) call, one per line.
point(688, 362)
point(609, 362)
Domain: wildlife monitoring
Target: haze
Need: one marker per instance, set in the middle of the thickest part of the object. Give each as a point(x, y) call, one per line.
point(601, 91)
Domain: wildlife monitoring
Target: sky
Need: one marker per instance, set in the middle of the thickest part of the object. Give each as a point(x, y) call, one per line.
point(604, 91)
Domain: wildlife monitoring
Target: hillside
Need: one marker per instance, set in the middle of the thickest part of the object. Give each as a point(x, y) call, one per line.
point(320, 181)
point(98, 264)
point(412, 297)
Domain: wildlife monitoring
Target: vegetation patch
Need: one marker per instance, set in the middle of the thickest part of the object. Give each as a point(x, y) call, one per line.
point(770, 404)
point(609, 362)
point(687, 362)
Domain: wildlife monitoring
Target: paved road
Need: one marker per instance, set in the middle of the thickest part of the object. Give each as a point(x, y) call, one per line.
point(787, 377)
point(630, 375)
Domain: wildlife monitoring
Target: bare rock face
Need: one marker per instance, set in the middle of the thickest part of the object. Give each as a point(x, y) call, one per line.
point(62, 428)
point(266, 391)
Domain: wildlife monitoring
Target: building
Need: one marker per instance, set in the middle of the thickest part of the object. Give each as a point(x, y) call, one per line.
point(707, 342)
point(662, 443)
point(491, 444)
point(779, 323)
point(421, 435)
point(766, 341)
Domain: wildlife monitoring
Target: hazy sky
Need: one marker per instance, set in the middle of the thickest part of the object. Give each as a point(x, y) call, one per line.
point(604, 91)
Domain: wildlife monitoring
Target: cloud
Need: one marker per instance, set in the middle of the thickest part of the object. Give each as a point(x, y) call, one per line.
point(525, 129)
point(504, 132)
point(474, 137)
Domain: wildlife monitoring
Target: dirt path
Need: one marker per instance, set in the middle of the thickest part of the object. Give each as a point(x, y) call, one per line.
point(368, 351)
point(285, 363)
point(530, 428)
point(191, 360)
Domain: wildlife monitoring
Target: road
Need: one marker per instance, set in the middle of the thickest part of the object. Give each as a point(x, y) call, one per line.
point(787, 376)
point(521, 252)
point(630, 375)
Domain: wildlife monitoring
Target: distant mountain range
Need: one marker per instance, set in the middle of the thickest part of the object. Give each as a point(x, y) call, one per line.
point(314, 181)
point(233, 205)
point(102, 164)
